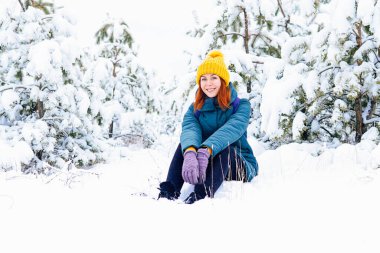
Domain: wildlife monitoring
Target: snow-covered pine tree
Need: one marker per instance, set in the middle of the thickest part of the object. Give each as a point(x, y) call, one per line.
point(172, 100)
point(348, 69)
point(127, 85)
point(289, 77)
point(43, 99)
point(337, 94)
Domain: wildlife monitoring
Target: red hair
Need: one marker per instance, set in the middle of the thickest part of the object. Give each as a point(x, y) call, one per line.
point(223, 97)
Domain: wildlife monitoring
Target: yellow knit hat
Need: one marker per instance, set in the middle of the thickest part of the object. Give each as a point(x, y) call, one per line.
point(214, 64)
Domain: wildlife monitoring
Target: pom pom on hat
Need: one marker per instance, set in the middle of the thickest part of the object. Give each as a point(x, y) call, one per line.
point(214, 64)
point(215, 53)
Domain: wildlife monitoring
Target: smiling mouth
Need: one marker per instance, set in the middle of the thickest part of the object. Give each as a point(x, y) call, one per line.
point(211, 90)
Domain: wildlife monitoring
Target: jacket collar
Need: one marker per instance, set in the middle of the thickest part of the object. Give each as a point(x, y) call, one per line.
point(212, 103)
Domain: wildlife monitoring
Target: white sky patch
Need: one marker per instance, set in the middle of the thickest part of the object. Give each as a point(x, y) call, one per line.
point(158, 27)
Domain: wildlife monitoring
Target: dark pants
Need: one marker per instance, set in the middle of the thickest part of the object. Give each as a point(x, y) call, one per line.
point(226, 165)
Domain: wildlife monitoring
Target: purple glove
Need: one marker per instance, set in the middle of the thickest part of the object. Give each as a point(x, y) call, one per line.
point(202, 156)
point(190, 167)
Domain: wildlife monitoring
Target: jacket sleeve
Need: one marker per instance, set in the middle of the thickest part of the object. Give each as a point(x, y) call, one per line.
point(191, 134)
point(232, 130)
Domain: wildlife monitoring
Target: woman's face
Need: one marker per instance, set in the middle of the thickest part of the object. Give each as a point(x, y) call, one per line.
point(210, 84)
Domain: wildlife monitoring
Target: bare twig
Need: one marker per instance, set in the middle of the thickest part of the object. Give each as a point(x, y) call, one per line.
point(69, 173)
point(375, 54)
point(281, 9)
point(22, 6)
point(133, 135)
point(287, 21)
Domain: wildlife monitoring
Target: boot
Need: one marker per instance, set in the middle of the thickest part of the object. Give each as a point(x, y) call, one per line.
point(194, 197)
point(168, 191)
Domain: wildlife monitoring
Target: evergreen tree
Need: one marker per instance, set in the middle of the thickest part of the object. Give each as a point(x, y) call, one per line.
point(335, 92)
point(348, 68)
point(128, 92)
point(43, 99)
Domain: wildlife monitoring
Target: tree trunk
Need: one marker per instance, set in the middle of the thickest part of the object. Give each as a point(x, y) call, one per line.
point(110, 130)
point(40, 109)
point(246, 33)
point(372, 109)
point(359, 126)
point(246, 40)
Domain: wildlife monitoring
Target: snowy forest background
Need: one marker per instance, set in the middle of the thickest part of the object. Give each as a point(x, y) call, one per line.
point(310, 72)
point(87, 131)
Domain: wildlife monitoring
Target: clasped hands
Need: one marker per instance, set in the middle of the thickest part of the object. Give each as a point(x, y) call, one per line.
point(195, 165)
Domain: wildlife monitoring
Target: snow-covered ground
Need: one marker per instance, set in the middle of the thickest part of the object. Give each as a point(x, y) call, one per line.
point(307, 198)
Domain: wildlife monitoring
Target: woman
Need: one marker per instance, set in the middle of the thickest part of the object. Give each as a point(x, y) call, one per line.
point(213, 144)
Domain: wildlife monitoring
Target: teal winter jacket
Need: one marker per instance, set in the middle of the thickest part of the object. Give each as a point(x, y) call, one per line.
point(217, 129)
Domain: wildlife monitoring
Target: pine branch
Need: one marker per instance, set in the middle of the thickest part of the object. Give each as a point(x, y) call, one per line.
point(369, 38)
point(377, 58)
point(332, 136)
point(22, 6)
point(257, 35)
point(287, 21)
point(231, 33)
point(369, 121)
point(281, 9)
point(263, 37)
point(333, 67)
point(10, 87)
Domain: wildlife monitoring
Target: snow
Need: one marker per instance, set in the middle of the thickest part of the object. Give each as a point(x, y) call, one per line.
point(298, 125)
point(7, 98)
point(276, 95)
point(307, 198)
point(339, 18)
point(372, 134)
point(365, 11)
point(42, 59)
point(12, 156)
point(376, 21)
point(291, 51)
